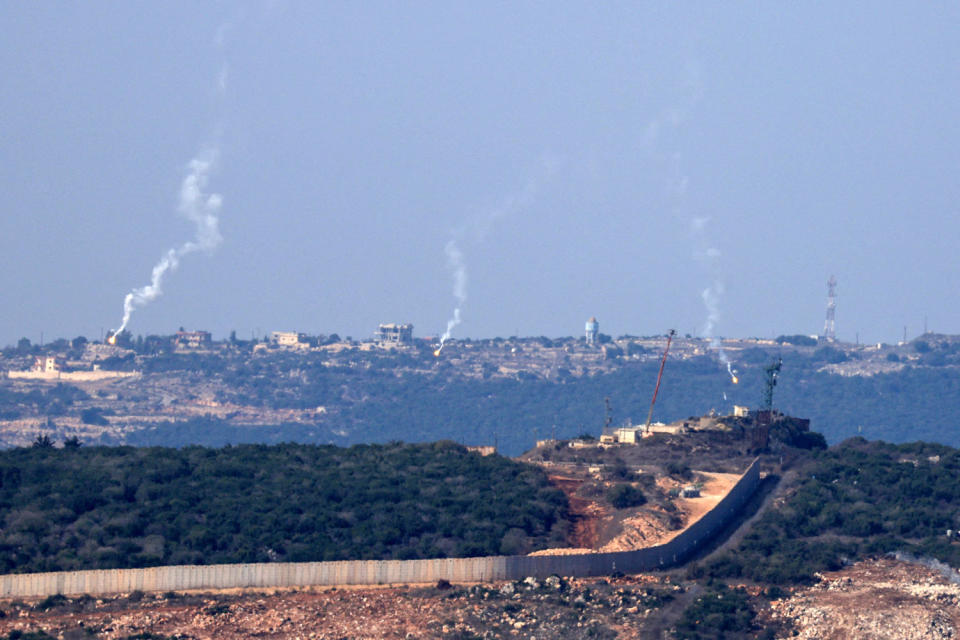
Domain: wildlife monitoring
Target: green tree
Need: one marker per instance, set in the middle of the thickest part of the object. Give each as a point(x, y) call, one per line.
point(24, 346)
point(624, 496)
point(43, 441)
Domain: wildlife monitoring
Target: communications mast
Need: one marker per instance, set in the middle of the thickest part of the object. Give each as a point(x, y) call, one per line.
point(829, 328)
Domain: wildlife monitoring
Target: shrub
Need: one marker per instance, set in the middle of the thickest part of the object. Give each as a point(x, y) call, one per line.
point(624, 496)
point(716, 614)
point(50, 602)
point(679, 470)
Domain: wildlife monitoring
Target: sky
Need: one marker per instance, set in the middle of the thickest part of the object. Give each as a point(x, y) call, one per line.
point(698, 166)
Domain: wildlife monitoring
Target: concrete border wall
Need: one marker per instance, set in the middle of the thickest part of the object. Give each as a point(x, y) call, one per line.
point(373, 572)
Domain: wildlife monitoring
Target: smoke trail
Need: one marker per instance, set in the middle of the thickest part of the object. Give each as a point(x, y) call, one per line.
point(711, 300)
point(658, 132)
point(710, 257)
point(455, 262)
point(547, 166)
point(199, 208)
point(480, 226)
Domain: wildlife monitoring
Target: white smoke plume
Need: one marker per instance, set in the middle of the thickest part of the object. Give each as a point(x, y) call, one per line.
point(657, 133)
point(480, 226)
point(200, 208)
point(546, 167)
point(222, 78)
point(455, 262)
point(942, 568)
point(711, 300)
point(712, 295)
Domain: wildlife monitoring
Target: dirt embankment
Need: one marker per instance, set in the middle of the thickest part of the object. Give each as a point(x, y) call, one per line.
point(598, 527)
point(647, 528)
point(586, 514)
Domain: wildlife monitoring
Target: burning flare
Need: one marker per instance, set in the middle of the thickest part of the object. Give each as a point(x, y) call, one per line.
point(733, 374)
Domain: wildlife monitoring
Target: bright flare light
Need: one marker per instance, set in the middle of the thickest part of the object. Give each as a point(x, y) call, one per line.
point(112, 339)
point(733, 374)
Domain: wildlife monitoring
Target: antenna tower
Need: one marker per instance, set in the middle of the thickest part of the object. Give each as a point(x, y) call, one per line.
point(829, 329)
point(773, 372)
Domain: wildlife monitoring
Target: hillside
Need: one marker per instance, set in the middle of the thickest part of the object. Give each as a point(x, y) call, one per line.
point(858, 499)
point(509, 392)
point(845, 543)
point(106, 507)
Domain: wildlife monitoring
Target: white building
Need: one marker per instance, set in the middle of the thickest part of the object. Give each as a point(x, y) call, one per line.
point(285, 338)
point(394, 334)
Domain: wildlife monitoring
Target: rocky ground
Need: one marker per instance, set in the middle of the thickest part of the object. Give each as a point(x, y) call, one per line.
point(871, 600)
point(552, 608)
point(874, 600)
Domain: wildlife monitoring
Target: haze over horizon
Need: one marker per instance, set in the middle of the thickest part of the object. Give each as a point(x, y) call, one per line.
point(608, 161)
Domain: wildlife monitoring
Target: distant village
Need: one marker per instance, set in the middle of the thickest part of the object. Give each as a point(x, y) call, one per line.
point(83, 360)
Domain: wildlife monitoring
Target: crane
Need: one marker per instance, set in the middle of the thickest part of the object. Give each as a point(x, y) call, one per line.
point(656, 389)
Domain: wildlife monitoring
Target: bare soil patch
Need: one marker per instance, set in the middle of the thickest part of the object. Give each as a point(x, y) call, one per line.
point(597, 526)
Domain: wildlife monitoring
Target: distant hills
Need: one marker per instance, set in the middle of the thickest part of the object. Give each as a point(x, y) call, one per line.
point(508, 392)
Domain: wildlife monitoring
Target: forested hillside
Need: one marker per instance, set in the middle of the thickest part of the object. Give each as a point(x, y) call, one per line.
point(107, 507)
point(856, 499)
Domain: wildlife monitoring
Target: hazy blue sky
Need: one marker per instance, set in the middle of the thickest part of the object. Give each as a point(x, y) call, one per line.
point(608, 159)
